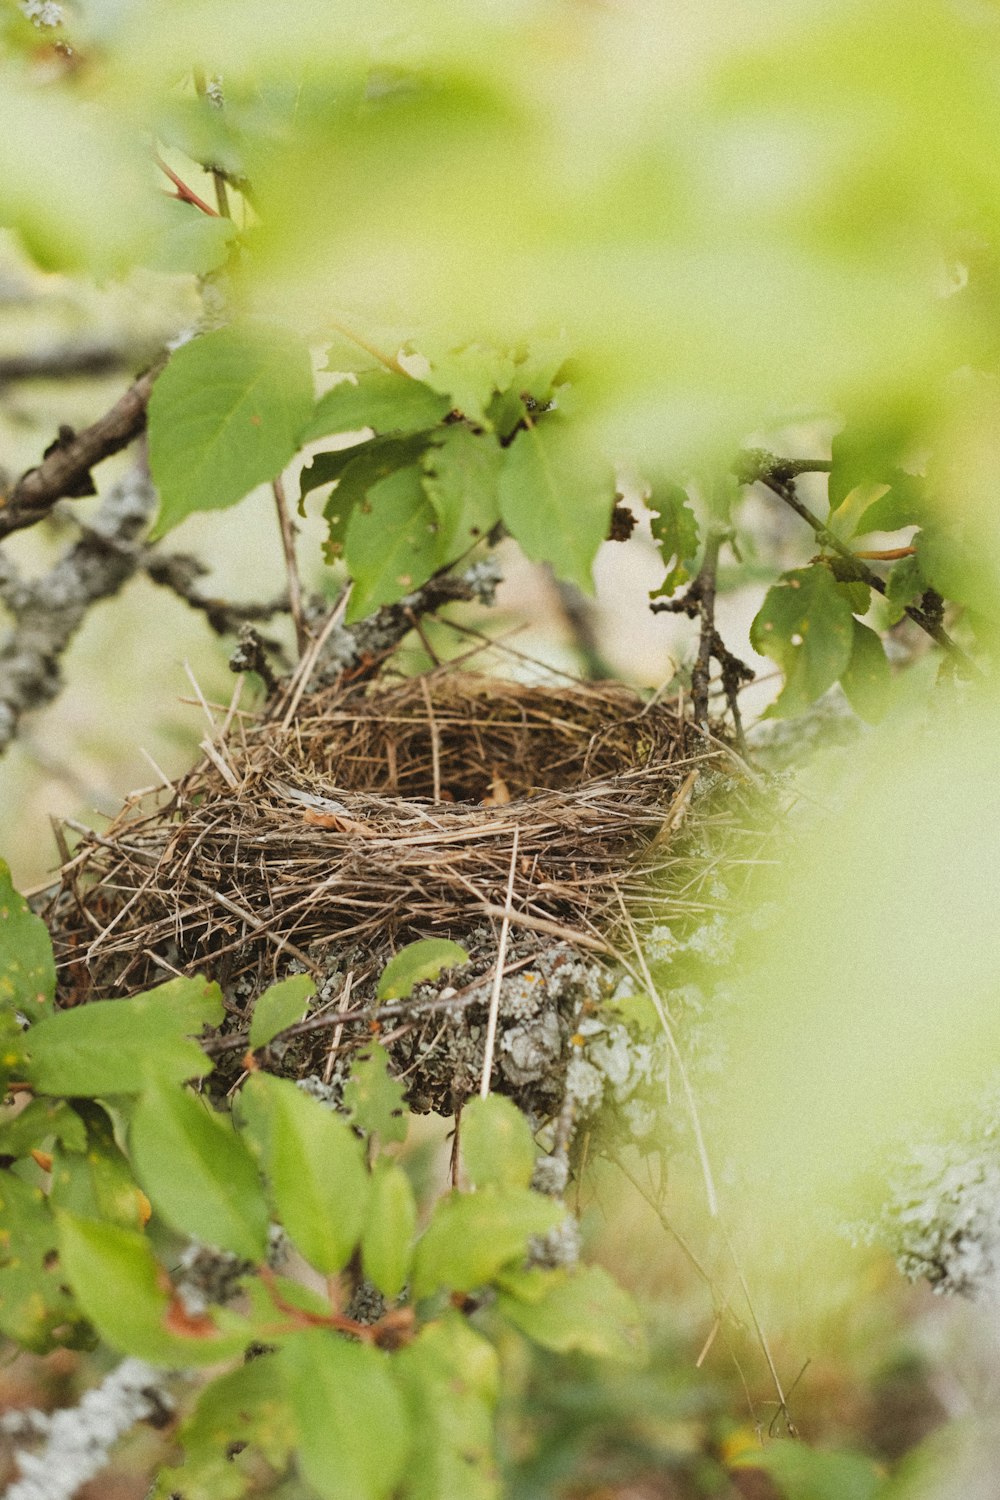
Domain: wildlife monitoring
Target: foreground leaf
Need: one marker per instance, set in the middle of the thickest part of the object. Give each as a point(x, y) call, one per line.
point(382, 400)
point(354, 1432)
point(127, 1297)
point(583, 1309)
point(497, 1144)
point(198, 1173)
point(556, 499)
point(313, 1162)
point(225, 416)
point(245, 1406)
point(462, 473)
point(450, 1380)
point(675, 531)
point(27, 972)
point(96, 1181)
point(806, 625)
point(867, 678)
point(387, 1242)
point(810, 1474)
point(36, 1311)
point(392, 543)
point(472, 1236)
point(117, 1046)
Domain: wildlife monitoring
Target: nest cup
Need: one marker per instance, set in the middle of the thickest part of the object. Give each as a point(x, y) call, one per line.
point(379, 813)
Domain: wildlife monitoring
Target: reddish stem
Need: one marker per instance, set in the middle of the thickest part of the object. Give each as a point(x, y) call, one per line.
point(184, 193)
point(888, 554)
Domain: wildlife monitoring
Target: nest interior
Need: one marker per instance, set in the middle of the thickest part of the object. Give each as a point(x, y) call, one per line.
point(377, 813)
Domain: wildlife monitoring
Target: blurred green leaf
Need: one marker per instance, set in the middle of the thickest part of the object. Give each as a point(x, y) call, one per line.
point(556, 498)
point(373, 1099)
point(313, 1163)
point(27, 972)
point(127, 1297)
point(472, 1236)
point(96, 1181)
point(450, 1380)
point(354, 1433)
point(225, 416)
point(582, 1309)
point(805, 624)
point(40, 1121)
point(382, 400)
point(280, 1005)
point(35, 1309)
point(675, 531)
point(804, 1473)
point(246, 1405)
point(867, 678)
point(497, 1143)
point(191, 242)
point(117, 1046)
point(387, 1241)
point(198, 1173)
point(469, 376)
point(417, 963)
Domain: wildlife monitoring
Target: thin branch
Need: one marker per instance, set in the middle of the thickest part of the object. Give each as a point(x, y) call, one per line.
point(291, 563)
point(70, 361)
point(49, 610)
point(65, 469)
point(755, 465)
point(184, 193)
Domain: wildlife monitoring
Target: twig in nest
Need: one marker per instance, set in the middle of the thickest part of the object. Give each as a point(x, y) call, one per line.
point(491, 1023)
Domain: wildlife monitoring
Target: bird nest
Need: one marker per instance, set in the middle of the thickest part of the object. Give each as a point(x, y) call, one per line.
point(371, 814)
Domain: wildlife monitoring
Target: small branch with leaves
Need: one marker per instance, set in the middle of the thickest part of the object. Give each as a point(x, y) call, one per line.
point(757, 466)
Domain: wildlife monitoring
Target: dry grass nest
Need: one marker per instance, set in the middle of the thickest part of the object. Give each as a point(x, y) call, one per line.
point(375, 814)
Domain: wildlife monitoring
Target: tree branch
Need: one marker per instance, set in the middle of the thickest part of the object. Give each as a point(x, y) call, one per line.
point(756, 466)
point(49, 610)
point(65, 469)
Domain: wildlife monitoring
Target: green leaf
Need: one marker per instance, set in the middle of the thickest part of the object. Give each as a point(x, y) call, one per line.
point(675, 531)
point(374, 1101)
point(904, 504)
point(191, 243)
point(116, 1046)
point(356, 471)
point(127, 1297)
point(904, 583)
point(382, 400)
point(313, 1162)
point(810, 1474)
point(469, 376)
point(417, 962)
point(27, 972)
point(450, 1380)
point(497, 1144)
point(583, 1309)
point(806, 625)
point(326, 468)
point(461, 477)
point(198, 1173)
point(225, 415)
point(393, 541)
point(556, 498)
point(35, 1309)
point(247, 1405)
point(867, 678)
point(386, 1244)
point(354, 1432)
point(42, 1120)
point(472, 1236)
point(97, 1181)
point(282, 1005)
